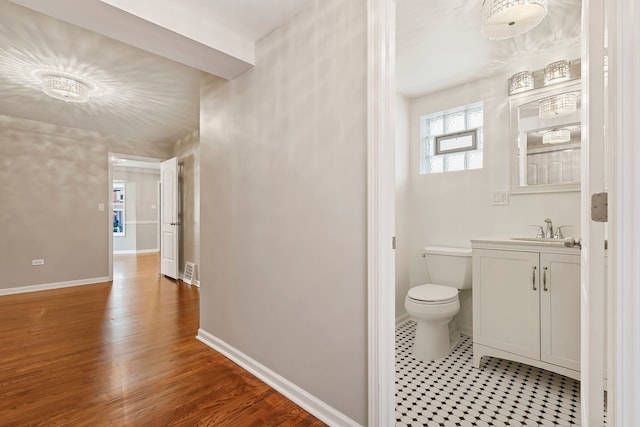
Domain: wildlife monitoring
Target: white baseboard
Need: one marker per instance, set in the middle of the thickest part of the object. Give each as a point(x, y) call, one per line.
point(194, 283)
point(305, 400)
point(402, 319)
point(134, 251)
point(466, 331)
point(49, 286)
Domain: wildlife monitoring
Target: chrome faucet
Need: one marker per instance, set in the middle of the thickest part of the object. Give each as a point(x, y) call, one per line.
point(548, 232)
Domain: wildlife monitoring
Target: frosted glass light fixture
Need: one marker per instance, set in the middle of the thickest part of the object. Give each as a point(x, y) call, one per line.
point(559, 105)
point(521, 82)
point(557, 72)
point(503, 19)
point(556, 136)
point(65, 87)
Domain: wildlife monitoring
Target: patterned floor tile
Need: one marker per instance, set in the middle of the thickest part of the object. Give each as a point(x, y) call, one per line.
point(451, 392)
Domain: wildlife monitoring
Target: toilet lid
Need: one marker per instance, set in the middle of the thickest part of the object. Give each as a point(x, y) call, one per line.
point(433, 293)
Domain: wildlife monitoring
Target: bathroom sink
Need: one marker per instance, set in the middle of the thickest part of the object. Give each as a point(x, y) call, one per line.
point(539, 239)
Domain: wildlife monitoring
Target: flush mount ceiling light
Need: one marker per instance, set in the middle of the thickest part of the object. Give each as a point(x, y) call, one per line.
point(521, 82)
point(557, 136)
point(557, 72)
point(558, 105)
point(65, 86)
point(503, 19)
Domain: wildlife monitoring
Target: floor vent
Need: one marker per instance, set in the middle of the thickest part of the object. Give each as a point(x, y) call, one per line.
point(189, 272)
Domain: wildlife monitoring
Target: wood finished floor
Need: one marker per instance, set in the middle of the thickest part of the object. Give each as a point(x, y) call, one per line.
point(124, 354)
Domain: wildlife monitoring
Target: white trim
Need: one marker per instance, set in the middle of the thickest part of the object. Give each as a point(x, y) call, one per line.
point(302, 398)
point(136, 251)
point(592, 256)
point(195, 283)
point(624, 43)
point(381, 20)
point(400, 320)
point(141, 222)
point(465, 331)
point(49, 286)
point(612, 149)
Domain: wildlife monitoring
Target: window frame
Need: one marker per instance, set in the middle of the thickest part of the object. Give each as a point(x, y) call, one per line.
point(432, 159)
point(438, 151)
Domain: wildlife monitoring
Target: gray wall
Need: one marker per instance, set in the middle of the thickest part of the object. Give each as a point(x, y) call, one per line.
point(141, 218)
point(283, 205)
point(52, 181)
point(187, 150)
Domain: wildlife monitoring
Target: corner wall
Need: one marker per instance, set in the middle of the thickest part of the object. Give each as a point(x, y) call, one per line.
point(283, 205)
point(187, 151)
point(403, 226)
point(52, 181)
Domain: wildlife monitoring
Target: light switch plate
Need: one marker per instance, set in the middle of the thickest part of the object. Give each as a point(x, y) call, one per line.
point(100, 207)
point(500, 198)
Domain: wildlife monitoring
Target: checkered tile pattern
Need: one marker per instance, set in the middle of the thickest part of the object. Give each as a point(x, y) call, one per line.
point(451, 392)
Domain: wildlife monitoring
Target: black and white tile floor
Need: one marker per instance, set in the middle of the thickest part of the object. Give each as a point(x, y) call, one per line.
point(451, 392)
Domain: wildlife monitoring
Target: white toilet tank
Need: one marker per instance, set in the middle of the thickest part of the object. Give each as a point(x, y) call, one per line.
point(449, 266)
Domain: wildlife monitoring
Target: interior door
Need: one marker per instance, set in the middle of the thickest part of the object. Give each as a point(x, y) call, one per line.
point(169, 262)
point(593, 231)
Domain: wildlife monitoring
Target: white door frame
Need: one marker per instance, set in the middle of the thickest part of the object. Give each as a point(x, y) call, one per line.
point(593, 346)
point(381, 210)
point(624, 212)
point(110, 158)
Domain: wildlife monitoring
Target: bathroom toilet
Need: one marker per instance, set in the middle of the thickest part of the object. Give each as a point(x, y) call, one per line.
point(433, 305)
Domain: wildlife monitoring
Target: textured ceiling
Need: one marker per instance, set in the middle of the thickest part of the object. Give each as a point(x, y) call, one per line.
point(144, 96)
point(439, 43)
point(137, 94)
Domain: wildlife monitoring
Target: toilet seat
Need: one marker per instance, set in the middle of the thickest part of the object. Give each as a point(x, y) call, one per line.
point(432, 294)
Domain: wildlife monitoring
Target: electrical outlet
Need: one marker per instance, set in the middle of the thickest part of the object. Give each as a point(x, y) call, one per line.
point(37, 262)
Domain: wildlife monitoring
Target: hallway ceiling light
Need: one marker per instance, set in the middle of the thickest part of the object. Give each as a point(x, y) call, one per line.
point(557, 72)
point(558, 105)
point(503, 19)
point(65, 87)
point(521, 82)
point(557, 136)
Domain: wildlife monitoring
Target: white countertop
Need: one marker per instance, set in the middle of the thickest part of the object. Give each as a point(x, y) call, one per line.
point(536, 245)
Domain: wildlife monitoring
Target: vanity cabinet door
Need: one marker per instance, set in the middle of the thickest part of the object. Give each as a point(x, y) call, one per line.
point(560, 310)
point(506, 301)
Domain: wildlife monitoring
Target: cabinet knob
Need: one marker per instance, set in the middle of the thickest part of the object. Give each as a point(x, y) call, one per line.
point(544, 278)
point(533, 277)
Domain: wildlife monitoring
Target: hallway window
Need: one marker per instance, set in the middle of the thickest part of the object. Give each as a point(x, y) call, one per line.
point(118, 208)
point(452, 140)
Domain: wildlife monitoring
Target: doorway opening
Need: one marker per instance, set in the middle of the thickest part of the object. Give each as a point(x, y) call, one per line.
point(134, 201)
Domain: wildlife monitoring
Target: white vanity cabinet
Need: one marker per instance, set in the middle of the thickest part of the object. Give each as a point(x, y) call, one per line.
point(526, 304)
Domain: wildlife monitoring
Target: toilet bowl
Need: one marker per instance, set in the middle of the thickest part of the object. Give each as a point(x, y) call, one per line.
point(433, 305)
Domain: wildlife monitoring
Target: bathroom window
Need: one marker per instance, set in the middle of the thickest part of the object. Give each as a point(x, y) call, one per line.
point(452, 140)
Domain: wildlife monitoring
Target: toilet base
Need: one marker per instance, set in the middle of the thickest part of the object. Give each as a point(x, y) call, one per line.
point(432, 340)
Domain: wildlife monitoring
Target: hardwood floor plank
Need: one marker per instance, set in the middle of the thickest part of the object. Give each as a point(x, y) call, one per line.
point(124, 354)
